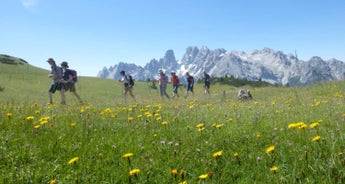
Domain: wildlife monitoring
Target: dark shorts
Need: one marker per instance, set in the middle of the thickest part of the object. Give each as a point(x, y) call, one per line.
point(190, 88)
point(207, 85)
point(68, 86)
point(54, 87)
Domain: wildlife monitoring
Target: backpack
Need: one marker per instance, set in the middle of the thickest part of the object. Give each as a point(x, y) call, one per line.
point(74, 76)
point(131, 80)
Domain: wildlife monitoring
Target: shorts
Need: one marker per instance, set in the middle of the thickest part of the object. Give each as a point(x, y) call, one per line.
point(190, 88)
point(54, 87)
point(68, 86)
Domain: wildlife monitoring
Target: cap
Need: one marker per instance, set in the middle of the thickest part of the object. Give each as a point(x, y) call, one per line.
point(51, 60)
point(64, 63)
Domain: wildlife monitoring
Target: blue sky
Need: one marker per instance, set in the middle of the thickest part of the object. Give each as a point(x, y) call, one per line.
point(94, 34)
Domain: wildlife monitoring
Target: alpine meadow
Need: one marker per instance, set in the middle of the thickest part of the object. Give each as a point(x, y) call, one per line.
point(282, 135)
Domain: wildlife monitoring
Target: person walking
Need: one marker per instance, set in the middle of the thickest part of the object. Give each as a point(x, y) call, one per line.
point(68, 83)
point(56, 75)
point(128, 87)
point(207, 83)
point(175, 82)
point(190, 84)
point(162, 82)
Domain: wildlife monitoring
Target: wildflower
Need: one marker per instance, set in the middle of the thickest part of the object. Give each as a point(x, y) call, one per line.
point(217, 154)
point(37, 126)
point(203, 176)
point(315, 124)
point(43, 122)
point(127, 155)
point(230, 120)
point(174, 172)
point(257, 136)
point(51, 124)
point(270, 149)
point(37, 112)
point(30, 118)
point(235, 154)
point(73, 124)
point(9, 115)
point(100, 155)
point(130, 118)
point(53, 181)
point(274, 168)
point(164, 123)
point(200, 125)
point(317, 138)
point(183, 182)
point(73, 160)
point(134, 172)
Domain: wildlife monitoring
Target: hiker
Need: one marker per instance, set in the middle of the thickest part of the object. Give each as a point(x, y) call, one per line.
point(162, 82)
point(207, 83)
point(56, 75)
point(242, 95)
point(190, 84)
point(128, 87)
point(175, 82)
point(68, 83)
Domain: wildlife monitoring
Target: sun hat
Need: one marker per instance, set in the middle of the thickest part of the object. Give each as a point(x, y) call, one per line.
point(64, 63)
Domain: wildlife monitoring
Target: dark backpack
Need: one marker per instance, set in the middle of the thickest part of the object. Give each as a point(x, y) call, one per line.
point(130, 80)
point(74, 76)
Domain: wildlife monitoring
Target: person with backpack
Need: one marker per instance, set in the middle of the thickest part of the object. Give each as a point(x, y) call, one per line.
point(69, 80)
point(56, 75)
point(175, 82)
point(190, 84)
point(207, 83)
point(163, 81)
point(128, 83)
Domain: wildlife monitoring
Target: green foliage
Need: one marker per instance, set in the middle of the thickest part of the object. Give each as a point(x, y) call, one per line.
point(39, 140)
point(237, 82)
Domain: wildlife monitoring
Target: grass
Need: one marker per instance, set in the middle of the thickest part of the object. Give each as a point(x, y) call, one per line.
point(200, 139)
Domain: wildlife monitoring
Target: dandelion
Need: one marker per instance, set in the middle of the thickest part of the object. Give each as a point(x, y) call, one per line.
point(130, 118)
point(127, 155)
point(200, 125)
point(37, 126)
point(174, 172)
point(235, 154)
point(73, 160)
point(53, 181)
point(30, 118)
point(230, 120)
point(9, 115)
point(164, 123)
point(203, 176)
point(270, 149)
point(274, 169)
point(37, 112)
point(316, 138)
point(183, 182)
point(73, 124)
point(315, 124)
point(217, 154)
point(134, 172)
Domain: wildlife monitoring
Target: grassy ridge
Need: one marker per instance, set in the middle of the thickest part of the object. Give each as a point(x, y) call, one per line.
point(284, 135)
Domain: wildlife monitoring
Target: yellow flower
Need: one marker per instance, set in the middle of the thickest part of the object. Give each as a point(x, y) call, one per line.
point(183, 182)
point(130, 118)
point(43, 122)
point(73, 160)
point(274, 168)
point(317, 138)
point(230, 119)
point(257, 136)
point(164, 123)
point(53, 181)
point(204, 176)
point(235, 154)
point(29, 118)
point(37, 126)
point(270, 149)
point(217, 154)
point(9, 115)
point(73, 124)
point(200, 125)
point(37, 112)
point(201, 129)
point(174, 172)
point(134, 172)
point(127, 155)
point(315, 124)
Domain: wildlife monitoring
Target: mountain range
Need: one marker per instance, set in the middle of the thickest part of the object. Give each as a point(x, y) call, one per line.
point(267, 65)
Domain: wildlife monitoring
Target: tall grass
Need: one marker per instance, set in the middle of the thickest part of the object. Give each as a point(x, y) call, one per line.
point(283, 135)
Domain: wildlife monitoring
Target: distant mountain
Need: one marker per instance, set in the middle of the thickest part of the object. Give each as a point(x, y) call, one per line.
point(268, 65)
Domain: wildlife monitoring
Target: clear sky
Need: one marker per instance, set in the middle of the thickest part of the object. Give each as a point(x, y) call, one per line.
point(92, 34)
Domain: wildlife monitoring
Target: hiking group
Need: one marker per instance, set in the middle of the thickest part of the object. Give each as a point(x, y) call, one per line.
point(64, 79)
